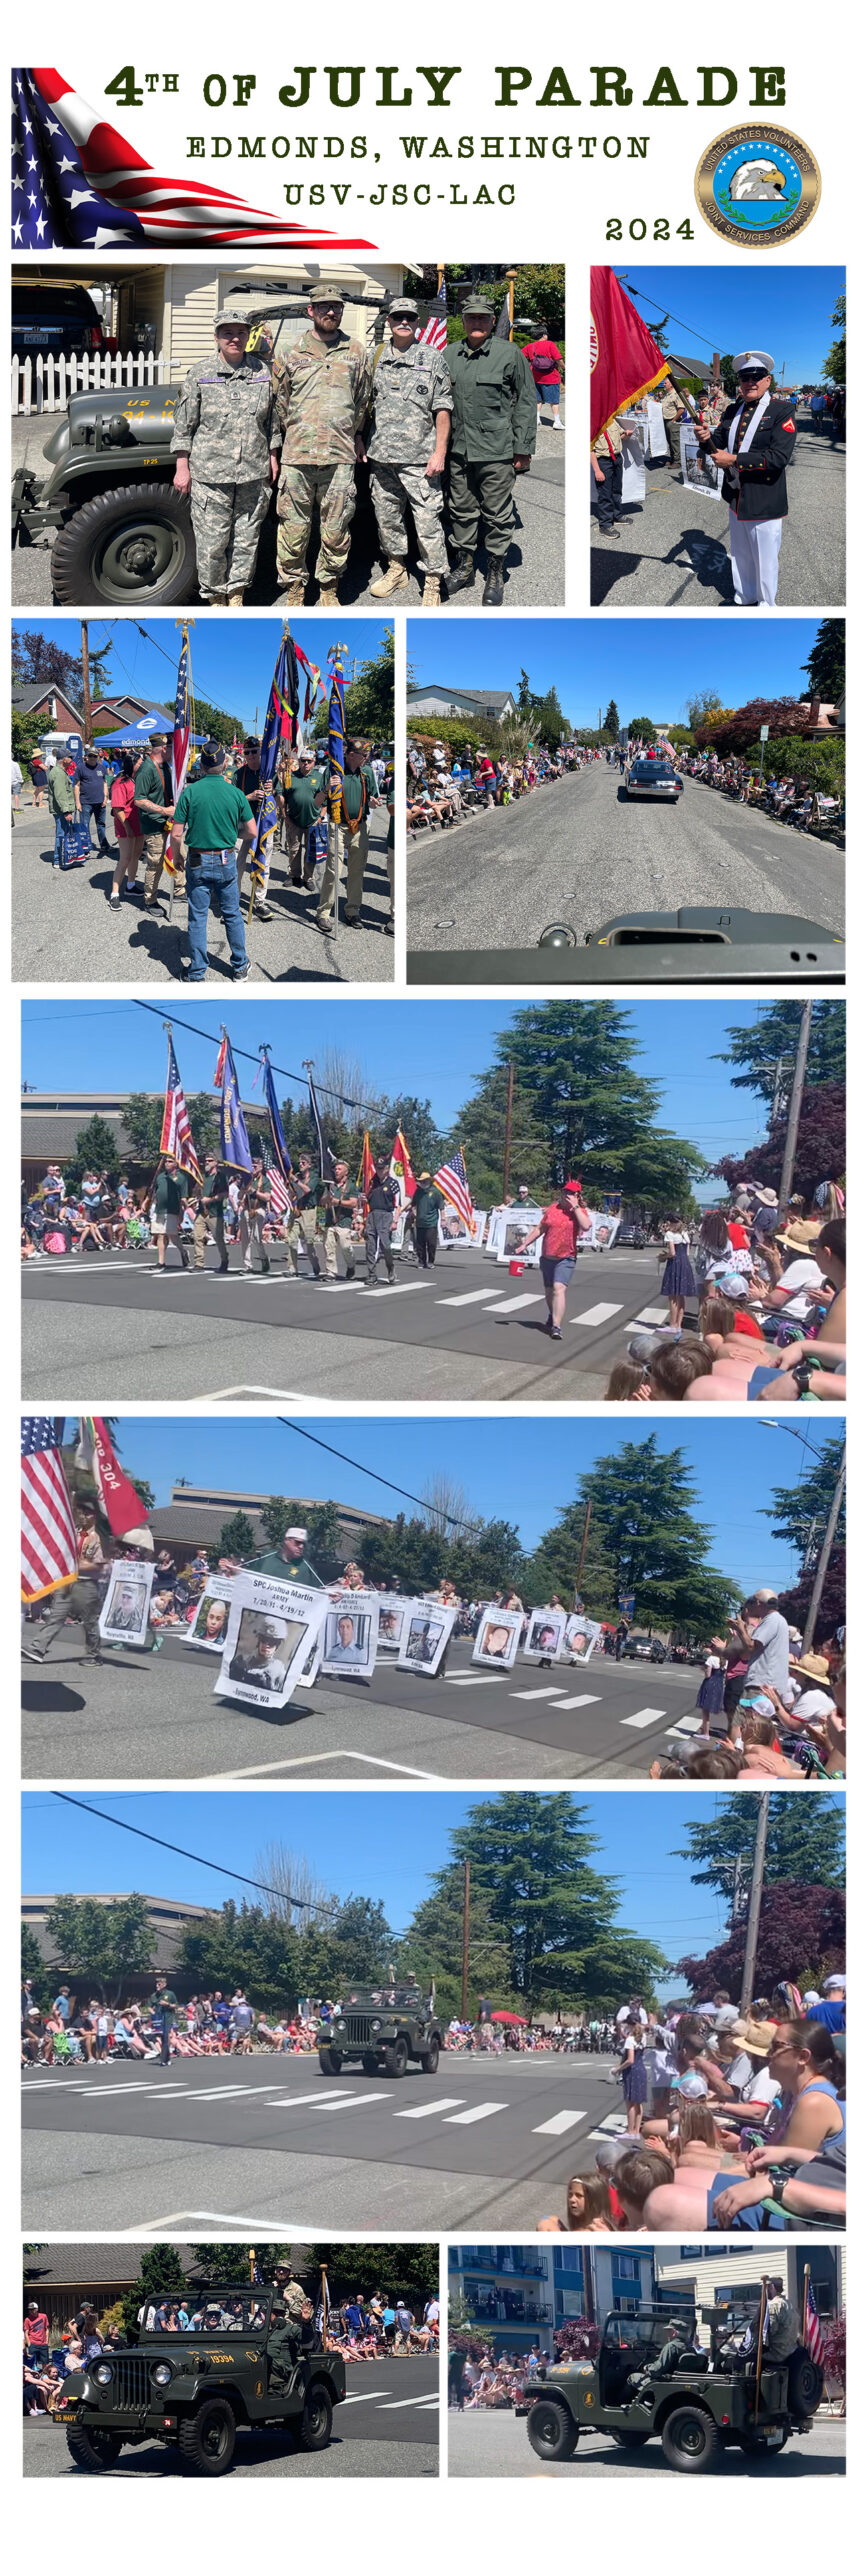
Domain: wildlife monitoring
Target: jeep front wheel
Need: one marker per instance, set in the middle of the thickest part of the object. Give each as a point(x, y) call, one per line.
point(369, 2065)
point(690, 2439)
point(129, 546)
point(207, 2439)
point(551, 2432)
point(397, 2059)
point(430, 2059)
point(329, 2062)
point(92, 2448)
point(317, 2418)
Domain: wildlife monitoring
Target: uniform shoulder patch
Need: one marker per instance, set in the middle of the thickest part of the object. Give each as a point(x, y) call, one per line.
point(788, 426)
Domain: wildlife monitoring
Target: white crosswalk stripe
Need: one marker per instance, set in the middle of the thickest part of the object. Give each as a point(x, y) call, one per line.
point(311, 2098)
point(648, 1316)
point(537, 1693)
point(475, 1679)
point(687, 1724)
point(532, 1298)
point(208, 2097)
point(599, 1314)
point(646, 1715)
point(473, 2115)
point(470, 1297)
point(433, 2107)
point(337, 2106)
point(586, 1699)
point(563, 2122)
point(402, 1289)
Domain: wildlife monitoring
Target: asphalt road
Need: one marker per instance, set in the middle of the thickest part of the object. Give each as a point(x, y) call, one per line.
point(63, 928)
point(675, 549)
point(535, 561)
point(265, 2144)
point(386, 2428)
point(579, 852)
point(491, 2444)
point(99, 1328)
point(155, 1716)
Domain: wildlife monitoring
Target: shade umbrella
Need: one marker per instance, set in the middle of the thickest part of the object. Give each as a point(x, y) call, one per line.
point(506, 2018)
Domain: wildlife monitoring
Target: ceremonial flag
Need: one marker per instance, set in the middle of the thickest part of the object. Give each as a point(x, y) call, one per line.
point(366, 1168)
point(277, 731)
point(336, 740)
point(176, 1138)
point(314, 685)
point(326, 1159)
point(813, 2338)
point(624, 359)
point(123, 1507)
point(275, 1124)
point(451, 1180)
point(435, 331)
point(280, 1200)
point(503, 327)
point(180, 749)
point(49, 1542)
point(79, 185)
point(401, 1169)
point(234, 1141)
point(221, 1061)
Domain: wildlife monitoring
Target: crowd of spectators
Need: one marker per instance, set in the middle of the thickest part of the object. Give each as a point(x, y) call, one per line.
point(769, 1288)
point(445, 785)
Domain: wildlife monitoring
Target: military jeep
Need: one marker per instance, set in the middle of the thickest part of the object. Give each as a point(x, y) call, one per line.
point(383, 2029)
point(125, 534)
point(709, 2399)
point(193, 2387)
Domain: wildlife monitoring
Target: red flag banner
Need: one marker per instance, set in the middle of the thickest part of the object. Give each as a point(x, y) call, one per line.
point(624, 359)
point(123, 1507)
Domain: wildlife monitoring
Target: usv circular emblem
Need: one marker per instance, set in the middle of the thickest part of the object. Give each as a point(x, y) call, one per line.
point(757, 184)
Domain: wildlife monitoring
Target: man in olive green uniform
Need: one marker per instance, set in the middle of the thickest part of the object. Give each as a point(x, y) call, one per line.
point(287, 1563)
point(606, 463)
point(302, 1223)
point(493, 438)
point(210, 1214)
point(322, 389)
point(339, 1204)
point(255, 1209)
point(424, 1216)
point(348, 838)
point(304, 799)
point(227, 441)
point(149, 798)
point(288, 2338)
point(170, 1189)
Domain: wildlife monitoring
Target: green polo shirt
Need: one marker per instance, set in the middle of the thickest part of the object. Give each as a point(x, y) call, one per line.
point(300, 801)
point(149, 786)
point(353, 795)
point(170, 1191)
point(274, 1564)
point(213, 812)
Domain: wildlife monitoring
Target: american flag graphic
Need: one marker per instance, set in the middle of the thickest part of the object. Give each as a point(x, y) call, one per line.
point(451, 1180)
point(181, 732)
point(76, 184)
point(435, 331)
point(176, 1139)
point(813, 2338)
point(49, 1544)
point(279, 1191)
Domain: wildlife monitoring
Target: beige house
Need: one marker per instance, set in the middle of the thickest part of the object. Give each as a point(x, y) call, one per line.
point(712, 2272)
point(180, 302)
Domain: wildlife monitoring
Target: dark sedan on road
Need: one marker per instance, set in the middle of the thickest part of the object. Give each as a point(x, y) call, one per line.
point(649, 778)
point(644, 1649)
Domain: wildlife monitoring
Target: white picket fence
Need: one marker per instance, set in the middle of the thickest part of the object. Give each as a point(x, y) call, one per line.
point(41, 384)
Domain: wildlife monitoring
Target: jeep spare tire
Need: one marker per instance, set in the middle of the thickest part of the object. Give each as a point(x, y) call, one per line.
point(207, 2439)
point(690, 2438)
point(126, 547)
point(551, 2431)
point(93, 2448)
point(806, 2384)
point(317, 2419)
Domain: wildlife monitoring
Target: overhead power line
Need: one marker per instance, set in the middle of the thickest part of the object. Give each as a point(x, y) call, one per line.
point(286, 1425)
point(274, 1892)
point(352, 1102)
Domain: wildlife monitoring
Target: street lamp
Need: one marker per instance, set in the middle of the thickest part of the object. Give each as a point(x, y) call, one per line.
point(831, 1525)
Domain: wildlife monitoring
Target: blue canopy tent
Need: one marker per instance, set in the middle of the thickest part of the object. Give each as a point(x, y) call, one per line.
point(139, 731)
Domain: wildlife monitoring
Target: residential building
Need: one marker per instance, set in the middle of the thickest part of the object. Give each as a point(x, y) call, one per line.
point(457, 702)
point(196, 1516)
point(522, 2295)
point(51, 1124)
point(723, 2272)
point(50, 704)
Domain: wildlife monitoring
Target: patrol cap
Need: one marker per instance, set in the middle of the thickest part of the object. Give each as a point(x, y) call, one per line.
point(326, 293)
point(270, 1630)
point(229, 318)
point(477, 307)
point(403, 308)
point(212, 754)
point(755, 360)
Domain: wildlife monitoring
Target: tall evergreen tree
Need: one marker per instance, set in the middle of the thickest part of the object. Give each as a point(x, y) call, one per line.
point(759, 1049)
point(801, 1511)
point(825, 668)
point(647, 1539)
point(611, 722)
point(530, 1860)
point(590, 1112)
point(806, 1841)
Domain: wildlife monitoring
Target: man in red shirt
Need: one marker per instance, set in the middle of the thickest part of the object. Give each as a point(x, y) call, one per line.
point(36, 2334)
point(559, 1227)
point(546, 366)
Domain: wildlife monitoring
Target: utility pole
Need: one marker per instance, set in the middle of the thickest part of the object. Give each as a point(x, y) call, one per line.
point(795, 1100)
point(756, 1889)
point(584, 1537)
point(825, 1554)
point(507, 1147)
point(85, 684)
point(465, 1952)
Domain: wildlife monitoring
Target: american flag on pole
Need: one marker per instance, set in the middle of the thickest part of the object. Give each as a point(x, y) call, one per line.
point(435, 331)
point(277, 730)
point(49, 1544)
point(813, 2338)
point(181, 730)
point(76, 184)
point(176, 1137)
point(279, 1192)
point(451, 1180)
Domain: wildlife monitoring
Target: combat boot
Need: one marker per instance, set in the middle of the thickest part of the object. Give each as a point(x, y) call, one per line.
point(493, 589)
point(463, 573)
point(393, 579)
point(432, 591)
point(293, 592)
point(236, 599)
point(329, 597)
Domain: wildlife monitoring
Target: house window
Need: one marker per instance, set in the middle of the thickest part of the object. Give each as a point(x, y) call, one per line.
point(628, 2269)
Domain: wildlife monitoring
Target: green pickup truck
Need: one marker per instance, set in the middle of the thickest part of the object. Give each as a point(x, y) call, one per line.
point(193, 2387)
point(705, 2401)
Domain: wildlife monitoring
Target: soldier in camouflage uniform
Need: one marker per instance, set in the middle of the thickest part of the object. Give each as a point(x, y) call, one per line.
point(289, 2337)
point(227, 443)
point(412, 405)
point(322, 389)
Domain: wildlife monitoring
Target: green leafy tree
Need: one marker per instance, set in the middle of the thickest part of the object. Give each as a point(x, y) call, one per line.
point(432, 1948)
point(409, 2274)
point(213, 723)
point(523, 696)
point(575, 1082)
point(835, 360)
point(825, 668)
point(647, 1540)
point(758, 1049)
point(95, 1152)
point(481, 1131)
point(142, 1121)
point(222, 2262)
point(806, 1841)
point(700, 705)
point(362, 1939)
point(549, 721)
point(530, 1856)
point(237, 1540)
point(728, 376)
point(161, 2271)
point(102, 1943)
point(416, 1120)
point(37, 658)
point(369, 700)
point(321, 1521)
point(33, 1963)
point(800, 1511)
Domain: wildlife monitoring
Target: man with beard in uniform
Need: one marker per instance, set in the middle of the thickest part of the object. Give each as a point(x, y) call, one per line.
point(753, 445)
point(493, 440)
point(412, 406)
point(322, 388)
point(227, 441)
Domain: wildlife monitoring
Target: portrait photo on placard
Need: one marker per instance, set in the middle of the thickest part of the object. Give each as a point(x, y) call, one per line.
point(124, 1614)
point(545, 1633)
point(350, 1638)
point(263, 1652)
point(209, 1628)
point(427, 1627)
point(498, 1636)
point(391, 1617)
point(580, 1637)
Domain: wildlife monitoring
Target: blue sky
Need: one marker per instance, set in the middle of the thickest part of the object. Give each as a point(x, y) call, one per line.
point(392, 1852)
point(650, 669)
point(523, 1470)
point(428, 1047)
point(784, 310)
point(231, 668)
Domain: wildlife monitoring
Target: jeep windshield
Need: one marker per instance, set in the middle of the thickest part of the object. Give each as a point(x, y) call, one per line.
point(391, 1995)
point(212, 2312)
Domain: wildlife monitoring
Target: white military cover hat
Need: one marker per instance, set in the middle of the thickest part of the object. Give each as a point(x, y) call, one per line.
point(756, 360)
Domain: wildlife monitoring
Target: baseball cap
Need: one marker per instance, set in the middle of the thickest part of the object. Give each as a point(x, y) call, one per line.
point(300, 1534)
